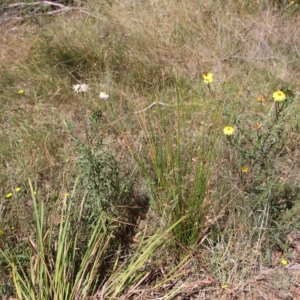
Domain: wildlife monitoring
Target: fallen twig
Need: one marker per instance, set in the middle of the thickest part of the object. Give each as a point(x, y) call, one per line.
point(232, 55)
point(39, 4)
point(152, 104)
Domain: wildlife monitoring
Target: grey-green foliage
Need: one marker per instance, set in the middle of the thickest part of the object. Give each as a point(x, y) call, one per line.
point(100, 175)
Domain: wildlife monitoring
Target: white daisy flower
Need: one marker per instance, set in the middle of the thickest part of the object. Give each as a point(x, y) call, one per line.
point(103, 95)
point(78, 88)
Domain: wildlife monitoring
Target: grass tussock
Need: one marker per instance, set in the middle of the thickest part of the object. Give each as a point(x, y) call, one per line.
point(126, 173)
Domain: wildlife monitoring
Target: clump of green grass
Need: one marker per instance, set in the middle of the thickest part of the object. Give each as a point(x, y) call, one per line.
point(61, 265)
point(182, 179)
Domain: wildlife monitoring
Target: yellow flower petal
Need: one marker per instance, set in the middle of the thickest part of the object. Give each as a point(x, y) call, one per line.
point(284, 261)
point(228, 130)
point(9, 195)
point(245, 169)
point(279, 96)
point(17, 189)
point(208, 78)
point(225, 286)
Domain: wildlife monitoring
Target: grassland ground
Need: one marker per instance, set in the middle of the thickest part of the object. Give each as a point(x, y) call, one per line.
point(149, 149)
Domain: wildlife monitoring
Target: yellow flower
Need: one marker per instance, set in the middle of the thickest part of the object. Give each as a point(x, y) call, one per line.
point(1, 232)
point(34, 192)
point(284, 261)
point(261, 98)
point(225, 286)
point(279, 96)
point(66, 194)
point(245, 169)
point(9, 195)
point(17, 189)
point(20, 92)
point(228, 130)
point(208, 78)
